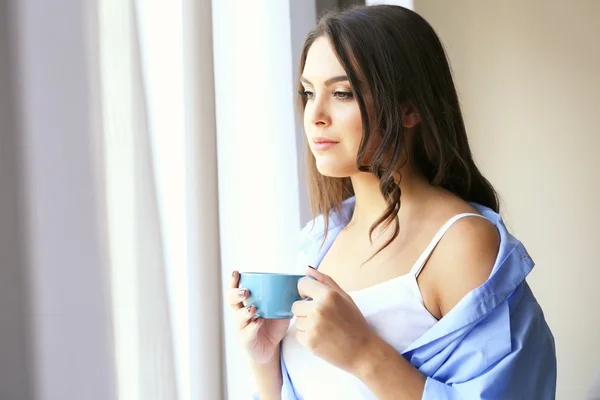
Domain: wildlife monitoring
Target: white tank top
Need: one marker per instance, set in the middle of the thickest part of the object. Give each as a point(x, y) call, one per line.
point(394, 310)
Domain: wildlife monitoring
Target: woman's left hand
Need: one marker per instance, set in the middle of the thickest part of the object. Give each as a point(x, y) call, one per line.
point(330, 325)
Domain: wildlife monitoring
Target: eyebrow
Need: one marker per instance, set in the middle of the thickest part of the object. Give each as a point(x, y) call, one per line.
point(329, 81)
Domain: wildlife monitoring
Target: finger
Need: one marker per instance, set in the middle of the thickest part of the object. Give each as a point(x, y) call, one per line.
point(235, 278)
point(324, 279)
point(245, 315)
point(301, 308)
point(235, 297)
point(250, 332)
point(308, 287)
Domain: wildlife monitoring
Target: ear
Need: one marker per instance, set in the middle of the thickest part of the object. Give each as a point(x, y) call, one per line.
point(410, 115)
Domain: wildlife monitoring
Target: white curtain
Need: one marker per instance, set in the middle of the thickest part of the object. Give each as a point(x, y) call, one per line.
point(128, 236)
point(142, 316)
point(160, 164)
point(175, 235)
point(203, 256)
point(150, 170)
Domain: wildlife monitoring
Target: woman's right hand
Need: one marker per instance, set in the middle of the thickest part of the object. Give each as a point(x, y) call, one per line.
point(260, 337)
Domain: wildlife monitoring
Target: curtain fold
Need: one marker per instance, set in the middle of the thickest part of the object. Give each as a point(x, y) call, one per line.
point(142, 323)
point(203, 257)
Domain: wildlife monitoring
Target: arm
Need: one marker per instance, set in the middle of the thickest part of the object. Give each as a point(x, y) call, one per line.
point(381, 368)
point(268, 378)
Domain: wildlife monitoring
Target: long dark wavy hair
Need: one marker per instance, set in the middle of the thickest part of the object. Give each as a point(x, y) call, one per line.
point(392, 58)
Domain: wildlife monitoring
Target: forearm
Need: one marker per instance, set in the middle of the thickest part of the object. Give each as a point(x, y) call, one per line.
point(388, 374)
point(268, 378)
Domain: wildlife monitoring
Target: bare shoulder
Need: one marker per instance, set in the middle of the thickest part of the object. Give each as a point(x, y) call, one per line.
point(462, 261)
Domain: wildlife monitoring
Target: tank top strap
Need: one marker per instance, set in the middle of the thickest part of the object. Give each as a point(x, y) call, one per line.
point(422, 260)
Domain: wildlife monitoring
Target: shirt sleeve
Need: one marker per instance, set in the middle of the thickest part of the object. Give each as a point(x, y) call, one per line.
point(528, 371)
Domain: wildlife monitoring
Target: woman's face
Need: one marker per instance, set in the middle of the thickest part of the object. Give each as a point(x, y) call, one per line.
point(332, 119)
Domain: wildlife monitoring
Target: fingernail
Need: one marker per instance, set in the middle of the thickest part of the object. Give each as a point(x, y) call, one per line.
point(242, 292)
point(233, 274)
point(249, 309)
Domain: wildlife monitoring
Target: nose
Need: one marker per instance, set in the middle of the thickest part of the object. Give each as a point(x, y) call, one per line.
point(318, 112)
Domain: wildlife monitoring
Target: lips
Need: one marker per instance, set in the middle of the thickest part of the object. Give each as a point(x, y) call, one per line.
point(322, 143)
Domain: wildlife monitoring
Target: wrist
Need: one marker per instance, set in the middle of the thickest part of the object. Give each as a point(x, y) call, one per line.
point(268, 361)
point(370, 359)
point(380, 367)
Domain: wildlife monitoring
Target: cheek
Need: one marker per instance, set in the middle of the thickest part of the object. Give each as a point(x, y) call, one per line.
point(353, 131)
point(306, 121)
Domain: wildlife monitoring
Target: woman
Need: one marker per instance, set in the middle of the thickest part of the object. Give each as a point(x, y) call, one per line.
point(420, 290)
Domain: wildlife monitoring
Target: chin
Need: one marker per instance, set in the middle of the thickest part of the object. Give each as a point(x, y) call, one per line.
point(335, 170)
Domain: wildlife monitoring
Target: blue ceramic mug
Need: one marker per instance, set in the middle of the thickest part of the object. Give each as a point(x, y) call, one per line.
point(272, 293)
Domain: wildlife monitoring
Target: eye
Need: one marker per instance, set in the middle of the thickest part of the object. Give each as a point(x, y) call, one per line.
point(343, 95)
point(306, 94)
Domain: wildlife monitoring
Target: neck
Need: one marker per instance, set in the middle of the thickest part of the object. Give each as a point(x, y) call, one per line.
point(370, 203)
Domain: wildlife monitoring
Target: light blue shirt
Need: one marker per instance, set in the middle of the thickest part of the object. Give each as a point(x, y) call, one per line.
point(494, 344)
